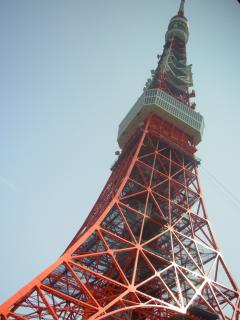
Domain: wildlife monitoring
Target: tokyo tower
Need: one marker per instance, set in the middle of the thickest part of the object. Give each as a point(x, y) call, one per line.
point(146, 250)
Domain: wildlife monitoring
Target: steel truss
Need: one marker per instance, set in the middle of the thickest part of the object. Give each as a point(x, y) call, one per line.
point(146, 251)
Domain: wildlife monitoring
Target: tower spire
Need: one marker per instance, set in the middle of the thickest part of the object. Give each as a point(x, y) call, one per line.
point(181, 8)
point(173, 75)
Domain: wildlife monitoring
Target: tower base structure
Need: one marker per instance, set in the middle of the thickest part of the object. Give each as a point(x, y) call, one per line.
point(146, 250)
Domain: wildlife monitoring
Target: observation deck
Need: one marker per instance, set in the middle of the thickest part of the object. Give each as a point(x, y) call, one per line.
point(165, 107)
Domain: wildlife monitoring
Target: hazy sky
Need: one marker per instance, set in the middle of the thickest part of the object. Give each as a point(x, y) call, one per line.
point(69, 72)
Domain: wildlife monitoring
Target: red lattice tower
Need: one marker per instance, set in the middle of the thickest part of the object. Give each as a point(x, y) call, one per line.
point(146, 250)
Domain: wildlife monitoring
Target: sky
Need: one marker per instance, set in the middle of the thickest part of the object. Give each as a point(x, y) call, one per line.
point(69, 72)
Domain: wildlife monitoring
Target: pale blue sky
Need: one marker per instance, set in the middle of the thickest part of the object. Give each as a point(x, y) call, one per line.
point(69, 72)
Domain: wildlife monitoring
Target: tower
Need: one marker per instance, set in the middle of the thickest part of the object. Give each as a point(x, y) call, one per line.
point(146, 251)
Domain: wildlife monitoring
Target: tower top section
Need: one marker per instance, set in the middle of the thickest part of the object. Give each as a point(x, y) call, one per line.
point(178, 26)
point(167, 93)
point(173, 75)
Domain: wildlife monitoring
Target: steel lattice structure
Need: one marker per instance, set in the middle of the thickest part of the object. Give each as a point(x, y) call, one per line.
point(146, 250)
